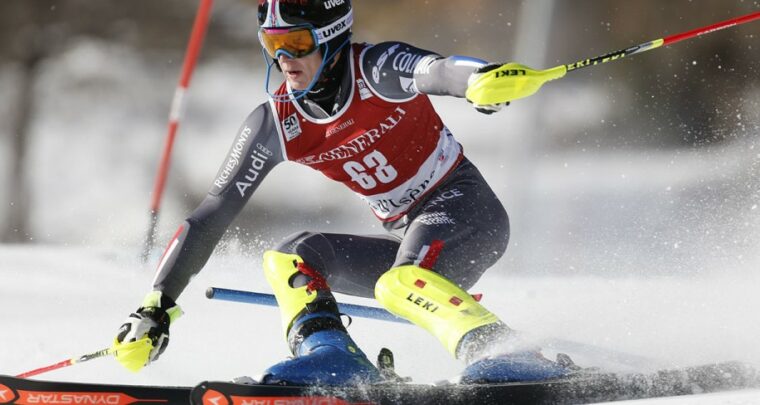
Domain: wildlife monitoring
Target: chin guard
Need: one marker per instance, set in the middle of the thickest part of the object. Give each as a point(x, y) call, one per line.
point(293, 95)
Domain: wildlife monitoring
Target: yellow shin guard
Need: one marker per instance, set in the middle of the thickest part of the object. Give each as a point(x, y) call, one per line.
point(279, 268)
point(429, 300)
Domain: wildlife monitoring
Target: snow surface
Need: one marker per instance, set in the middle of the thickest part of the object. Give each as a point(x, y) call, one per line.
point(62, 302)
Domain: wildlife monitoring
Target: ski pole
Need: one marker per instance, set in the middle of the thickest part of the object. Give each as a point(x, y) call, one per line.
point(69, 362)
point(250, 297)
point(191, 56)
point(648, 46)
point(527, 81)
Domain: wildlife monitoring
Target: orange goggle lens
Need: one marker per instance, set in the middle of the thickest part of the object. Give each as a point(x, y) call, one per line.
point(294, 42)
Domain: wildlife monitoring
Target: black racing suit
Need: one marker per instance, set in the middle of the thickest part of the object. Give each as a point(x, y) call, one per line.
point(462, 212)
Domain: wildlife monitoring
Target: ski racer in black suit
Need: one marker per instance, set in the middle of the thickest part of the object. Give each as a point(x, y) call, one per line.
point(360, 115)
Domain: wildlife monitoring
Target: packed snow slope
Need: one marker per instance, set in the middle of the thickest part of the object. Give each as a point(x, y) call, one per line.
point(62, 302)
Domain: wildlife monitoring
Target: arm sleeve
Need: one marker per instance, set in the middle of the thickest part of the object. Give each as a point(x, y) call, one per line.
point(255, 151)
point(398, 71)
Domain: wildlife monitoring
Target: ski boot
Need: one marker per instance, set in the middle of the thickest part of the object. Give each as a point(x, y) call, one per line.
point(466, 328)
point(326, 357)
point(494, 355)
point(323, 352)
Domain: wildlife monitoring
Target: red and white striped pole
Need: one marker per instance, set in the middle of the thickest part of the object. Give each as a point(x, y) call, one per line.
point(177, 108)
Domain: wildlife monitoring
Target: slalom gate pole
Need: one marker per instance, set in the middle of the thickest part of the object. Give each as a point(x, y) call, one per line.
point(250, 297)
point(648, 46)
point(177, 108)
point(66, 363)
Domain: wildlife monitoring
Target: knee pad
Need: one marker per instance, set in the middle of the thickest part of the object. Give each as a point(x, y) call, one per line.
point(431, 301)
point(280, 269)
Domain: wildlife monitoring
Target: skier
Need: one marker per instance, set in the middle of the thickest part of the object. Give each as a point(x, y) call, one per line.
point(360, 115)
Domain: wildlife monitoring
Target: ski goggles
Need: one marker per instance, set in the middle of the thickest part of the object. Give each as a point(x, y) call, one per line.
point(294, 42)
point(301, 40)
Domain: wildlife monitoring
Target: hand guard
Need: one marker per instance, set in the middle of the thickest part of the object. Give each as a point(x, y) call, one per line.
point(145, 334)
point(484, 108)
point(495, 84)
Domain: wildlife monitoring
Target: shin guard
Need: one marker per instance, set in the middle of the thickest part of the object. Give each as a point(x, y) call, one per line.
point(280, 270)
point(431, 301)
